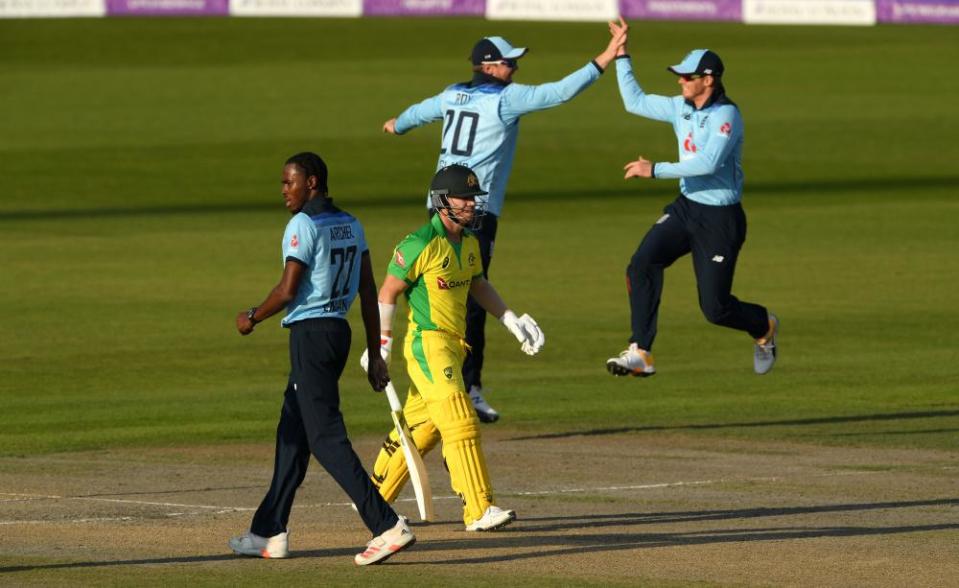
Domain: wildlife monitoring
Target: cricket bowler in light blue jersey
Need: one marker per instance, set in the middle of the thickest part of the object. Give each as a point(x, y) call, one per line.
point(706, 219)
point(480, 127)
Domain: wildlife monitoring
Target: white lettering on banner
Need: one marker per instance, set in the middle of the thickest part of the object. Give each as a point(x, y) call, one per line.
point(441, 5)
point(575, 10)
point(932, 11)
point(52, 8)
point(673, 7)
point(166, 4)
point(835, 12)
point(296, 7)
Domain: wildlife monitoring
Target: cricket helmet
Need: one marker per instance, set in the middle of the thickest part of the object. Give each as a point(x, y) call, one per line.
point(457, 181)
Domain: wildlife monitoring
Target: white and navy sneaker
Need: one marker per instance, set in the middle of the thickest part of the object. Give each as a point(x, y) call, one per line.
point(764, 354)
point(275, 547)
point(383, 546)
point(632, 362)
point(494, 518)
point(485, 412)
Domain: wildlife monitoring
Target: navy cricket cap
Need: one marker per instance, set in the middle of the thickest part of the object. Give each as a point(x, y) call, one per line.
point(495, 49)
point(699, 62)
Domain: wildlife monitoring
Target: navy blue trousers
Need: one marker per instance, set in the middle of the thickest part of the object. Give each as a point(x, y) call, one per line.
point(475, 315)
point(311, 423)
point(714, 235)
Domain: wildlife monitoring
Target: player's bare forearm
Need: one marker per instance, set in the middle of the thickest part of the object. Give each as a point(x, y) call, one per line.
point(486, 295)
point(368, 307)
point(281, 295)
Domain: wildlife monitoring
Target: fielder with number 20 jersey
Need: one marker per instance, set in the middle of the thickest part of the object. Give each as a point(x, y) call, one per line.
point(480, 127)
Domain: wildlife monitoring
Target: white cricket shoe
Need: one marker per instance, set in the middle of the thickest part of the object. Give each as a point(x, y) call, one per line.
point(764, 355)
point(485, 412)
point(494, 518)
point(383, 546)
point(632, 362)
point(275, 547)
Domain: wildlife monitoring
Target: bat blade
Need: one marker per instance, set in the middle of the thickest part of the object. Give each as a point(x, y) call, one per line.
point(414, 461)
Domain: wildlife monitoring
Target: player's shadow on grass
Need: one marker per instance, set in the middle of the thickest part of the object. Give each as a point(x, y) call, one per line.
point(394, 199)
point(516, 548)
point(538, 537)
point(896, 416)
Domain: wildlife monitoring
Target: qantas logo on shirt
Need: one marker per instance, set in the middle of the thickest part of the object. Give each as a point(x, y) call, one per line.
point(726, 129)
point(399, 259)
point(444, 285)
point(688, 144)
point(294, 242)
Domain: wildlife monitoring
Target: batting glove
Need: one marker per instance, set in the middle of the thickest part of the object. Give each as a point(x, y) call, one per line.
point(526, 331)
point(386, 347)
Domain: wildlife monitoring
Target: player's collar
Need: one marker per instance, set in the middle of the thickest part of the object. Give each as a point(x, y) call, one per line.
point(480, 78)
point(437, 223)
point(717, 97)
point(317, 205)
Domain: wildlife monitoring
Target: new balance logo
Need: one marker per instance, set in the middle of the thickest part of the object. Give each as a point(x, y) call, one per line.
point(718, 258)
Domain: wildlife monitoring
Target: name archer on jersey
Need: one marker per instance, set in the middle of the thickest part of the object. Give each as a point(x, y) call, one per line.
point(341, 232)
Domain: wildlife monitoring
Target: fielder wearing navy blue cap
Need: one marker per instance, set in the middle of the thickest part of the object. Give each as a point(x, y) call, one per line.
point(706, 220)
point(702, 62)
point(480, 126)
point(494, 50)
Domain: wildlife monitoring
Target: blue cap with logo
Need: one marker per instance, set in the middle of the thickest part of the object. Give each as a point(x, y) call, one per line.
point(701, 62)
point(493, 49)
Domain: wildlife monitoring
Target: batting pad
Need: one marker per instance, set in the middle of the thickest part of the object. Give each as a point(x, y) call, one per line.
point(463, 452)
point(390, 472)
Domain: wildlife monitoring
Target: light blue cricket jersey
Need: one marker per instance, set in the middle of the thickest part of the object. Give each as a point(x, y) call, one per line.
point(481, 121)
point(710, 140)
point(330, 243)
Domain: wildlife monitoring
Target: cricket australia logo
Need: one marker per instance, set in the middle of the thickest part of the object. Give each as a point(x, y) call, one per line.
point(471, 260)
point(446, 262)
point(448, 372)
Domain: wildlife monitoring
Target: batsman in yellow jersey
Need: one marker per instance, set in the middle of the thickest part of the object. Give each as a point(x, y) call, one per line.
point(437, 267)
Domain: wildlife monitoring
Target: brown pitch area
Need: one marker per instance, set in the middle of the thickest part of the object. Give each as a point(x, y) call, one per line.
point(619, 508)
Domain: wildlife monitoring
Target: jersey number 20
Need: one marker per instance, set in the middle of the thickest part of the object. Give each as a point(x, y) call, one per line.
point(469, 120)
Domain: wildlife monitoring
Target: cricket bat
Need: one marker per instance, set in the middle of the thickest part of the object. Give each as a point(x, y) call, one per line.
point(414, 462)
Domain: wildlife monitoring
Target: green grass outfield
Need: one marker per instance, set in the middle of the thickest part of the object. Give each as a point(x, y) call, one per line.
point(140, 210)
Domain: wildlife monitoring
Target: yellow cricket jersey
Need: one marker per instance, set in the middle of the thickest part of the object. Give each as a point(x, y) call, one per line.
point(439, 274)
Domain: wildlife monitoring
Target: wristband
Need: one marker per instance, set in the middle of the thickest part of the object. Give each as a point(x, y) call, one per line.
point(386, 316)
point(250, 314)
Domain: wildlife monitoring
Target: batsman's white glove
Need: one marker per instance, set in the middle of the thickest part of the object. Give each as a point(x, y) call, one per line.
point(525, 330)
point(386, 347)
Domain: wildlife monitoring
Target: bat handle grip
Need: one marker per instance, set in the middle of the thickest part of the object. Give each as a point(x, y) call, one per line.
point(391, 396)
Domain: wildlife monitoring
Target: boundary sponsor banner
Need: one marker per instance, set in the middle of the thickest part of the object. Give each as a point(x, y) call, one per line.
point(51, 8)
point(574, 10)
point(342, 8)
point(683, 9)
point(424, 7)
point(918, 11)
point(812, 12)
point(167, 7)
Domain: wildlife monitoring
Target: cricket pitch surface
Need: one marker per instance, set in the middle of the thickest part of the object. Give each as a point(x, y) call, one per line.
point(604, 508)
